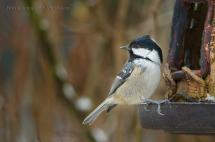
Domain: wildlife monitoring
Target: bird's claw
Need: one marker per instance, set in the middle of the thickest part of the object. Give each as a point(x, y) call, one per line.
point(145, 103)
point(146, 107)
point(150, 101)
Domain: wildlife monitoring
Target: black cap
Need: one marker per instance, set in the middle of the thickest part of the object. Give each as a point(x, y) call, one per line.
point(146, 42)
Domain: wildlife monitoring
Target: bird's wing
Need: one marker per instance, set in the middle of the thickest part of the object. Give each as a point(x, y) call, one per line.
point(122, 77)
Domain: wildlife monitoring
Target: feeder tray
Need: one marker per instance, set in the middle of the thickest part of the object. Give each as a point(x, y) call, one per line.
point(189, 73)
point(179, 117)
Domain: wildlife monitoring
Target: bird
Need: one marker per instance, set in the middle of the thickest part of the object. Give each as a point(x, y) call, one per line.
point(138, 79)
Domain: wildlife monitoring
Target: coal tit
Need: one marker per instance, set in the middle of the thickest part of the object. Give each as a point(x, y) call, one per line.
point(138, 79)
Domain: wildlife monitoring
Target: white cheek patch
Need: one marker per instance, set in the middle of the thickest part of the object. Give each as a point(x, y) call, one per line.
point(141, 52)
point(152, 55)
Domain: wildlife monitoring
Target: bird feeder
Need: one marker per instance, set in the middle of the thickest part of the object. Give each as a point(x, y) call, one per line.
point(189, 73)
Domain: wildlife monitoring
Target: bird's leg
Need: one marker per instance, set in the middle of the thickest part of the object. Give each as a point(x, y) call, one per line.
point(146, 104)
point(148, 101)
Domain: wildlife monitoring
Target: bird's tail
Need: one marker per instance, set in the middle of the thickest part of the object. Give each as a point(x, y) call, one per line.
point(96, 112)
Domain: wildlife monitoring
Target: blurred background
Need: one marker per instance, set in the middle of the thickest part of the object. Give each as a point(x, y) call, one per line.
point(58, 59)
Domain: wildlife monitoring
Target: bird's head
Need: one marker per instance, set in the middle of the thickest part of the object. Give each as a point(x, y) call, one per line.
point(144, 47)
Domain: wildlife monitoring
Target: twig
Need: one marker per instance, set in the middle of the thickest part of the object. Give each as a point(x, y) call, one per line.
point(54, 65)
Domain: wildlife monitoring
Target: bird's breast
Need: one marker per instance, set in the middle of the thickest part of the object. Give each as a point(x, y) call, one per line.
point(141, 83)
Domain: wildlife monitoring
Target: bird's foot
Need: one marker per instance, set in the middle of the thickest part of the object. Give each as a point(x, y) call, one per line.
point(146, 107)
point(145, 103)
point(150, 101)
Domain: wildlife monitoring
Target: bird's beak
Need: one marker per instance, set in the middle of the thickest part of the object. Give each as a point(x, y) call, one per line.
point(125, 47)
